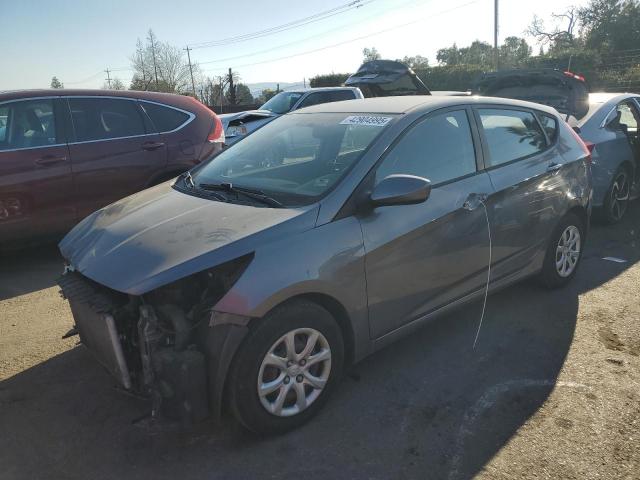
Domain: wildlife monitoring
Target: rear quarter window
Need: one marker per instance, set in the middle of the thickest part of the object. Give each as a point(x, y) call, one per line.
point(550, 126)
point(164, 118)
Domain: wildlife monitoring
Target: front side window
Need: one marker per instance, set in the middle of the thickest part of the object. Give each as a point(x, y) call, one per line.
point(297, 158)
point(105, 118)
point(27, 124)
point(439, 148)
point(510, 135)
point(282, 102)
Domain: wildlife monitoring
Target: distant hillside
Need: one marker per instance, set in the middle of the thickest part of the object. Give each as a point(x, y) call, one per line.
point(256, 88)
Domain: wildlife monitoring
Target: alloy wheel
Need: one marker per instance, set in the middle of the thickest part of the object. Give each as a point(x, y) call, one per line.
point(568, 251)
point(294, 372)
point(620, 190)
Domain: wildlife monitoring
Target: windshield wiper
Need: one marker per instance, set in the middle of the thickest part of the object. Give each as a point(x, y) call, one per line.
point(247, 192)
point(188, 180)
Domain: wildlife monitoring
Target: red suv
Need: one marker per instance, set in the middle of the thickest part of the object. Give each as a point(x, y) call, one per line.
point(67, 153)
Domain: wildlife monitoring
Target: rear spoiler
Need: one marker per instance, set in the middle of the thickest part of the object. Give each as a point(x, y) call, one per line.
point(565, 91)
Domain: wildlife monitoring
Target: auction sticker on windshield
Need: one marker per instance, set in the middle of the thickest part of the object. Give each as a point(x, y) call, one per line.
point(368, 120)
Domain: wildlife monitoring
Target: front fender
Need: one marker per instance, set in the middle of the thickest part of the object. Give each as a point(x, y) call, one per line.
point(326, 260)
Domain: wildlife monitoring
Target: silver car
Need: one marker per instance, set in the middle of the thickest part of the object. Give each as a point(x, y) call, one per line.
point(610, 130)
point(238, 125)
point(259, 285)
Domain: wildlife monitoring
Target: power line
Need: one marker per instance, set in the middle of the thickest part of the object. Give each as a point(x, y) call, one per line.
point(357, 38)
point(354, 4)
point(322, 34)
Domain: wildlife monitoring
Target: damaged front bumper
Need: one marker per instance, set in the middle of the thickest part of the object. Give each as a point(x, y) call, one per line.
point(178, 359)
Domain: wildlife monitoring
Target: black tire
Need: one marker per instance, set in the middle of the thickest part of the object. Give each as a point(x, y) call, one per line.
point(242, 390)
point(550, 275)
point(617, 198)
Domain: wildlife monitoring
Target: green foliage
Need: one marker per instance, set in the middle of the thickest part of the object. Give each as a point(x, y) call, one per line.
point(450, 77)
point(609, 25)
point(243, 95)
point(55, 83)
point(330, 80)
point(370, 54)
point(266, 95)
point(415, 62)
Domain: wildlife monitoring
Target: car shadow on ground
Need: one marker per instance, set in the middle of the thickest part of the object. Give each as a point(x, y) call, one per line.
point(43, 263)
point(429, 406)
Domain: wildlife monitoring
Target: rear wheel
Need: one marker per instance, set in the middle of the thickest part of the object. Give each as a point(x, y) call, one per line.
point(617, 198)
point(286, 368)
point(564, 252)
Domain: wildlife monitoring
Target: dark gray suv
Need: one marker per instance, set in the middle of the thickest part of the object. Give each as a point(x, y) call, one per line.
point(258, 284)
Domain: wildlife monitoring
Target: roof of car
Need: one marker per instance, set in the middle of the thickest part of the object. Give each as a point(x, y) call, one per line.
point(405, 104)
point(604, 97)
point(72, 92)
point(318, 89)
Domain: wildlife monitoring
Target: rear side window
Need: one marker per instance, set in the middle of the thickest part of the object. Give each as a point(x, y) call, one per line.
point(27, 124)
point(439, 148)
point(511, 135)
point(165, 119)
point(550, 126)
point(105, 118)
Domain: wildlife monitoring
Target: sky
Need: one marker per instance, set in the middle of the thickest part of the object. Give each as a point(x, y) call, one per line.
point(76, 40)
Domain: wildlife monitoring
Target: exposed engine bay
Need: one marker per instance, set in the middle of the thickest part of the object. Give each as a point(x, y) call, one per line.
point(168, 345)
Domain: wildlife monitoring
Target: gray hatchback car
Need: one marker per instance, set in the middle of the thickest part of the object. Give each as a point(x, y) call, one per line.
point(255, 286)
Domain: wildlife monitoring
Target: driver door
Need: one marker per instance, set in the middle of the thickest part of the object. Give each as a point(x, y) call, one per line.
point(422, 257)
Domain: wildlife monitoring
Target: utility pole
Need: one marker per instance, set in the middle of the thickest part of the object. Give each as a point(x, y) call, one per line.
point(108, 78)
point(232, 89)
point(277, 88)
point(193, 85)
point(495, 36)
point(153, 54)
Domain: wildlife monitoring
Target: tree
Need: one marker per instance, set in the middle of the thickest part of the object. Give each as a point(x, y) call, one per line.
point(266, 95)
point(609, 25)
point(561, 36)
point(514, 52)
point(370, 54)
point(116, 84)
point(415, 62)
point(55, 83)
point(478, 53)
point(243, 94)
point(159, 66)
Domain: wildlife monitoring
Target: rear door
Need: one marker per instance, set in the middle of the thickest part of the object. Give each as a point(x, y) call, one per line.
point(422, 257)
point(183, 137)
point(114, 151)
point(36, 194)
point(524, 164)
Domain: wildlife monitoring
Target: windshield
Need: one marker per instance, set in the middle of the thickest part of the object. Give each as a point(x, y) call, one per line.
point(282, 102)
point(297, 158)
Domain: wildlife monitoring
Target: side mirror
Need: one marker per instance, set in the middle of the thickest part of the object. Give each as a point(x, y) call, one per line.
point(400, 190)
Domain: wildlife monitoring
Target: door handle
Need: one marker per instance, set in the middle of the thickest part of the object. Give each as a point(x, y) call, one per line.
point(474, 200)
point(152, 145)
point(554, 167)
point(50, 160)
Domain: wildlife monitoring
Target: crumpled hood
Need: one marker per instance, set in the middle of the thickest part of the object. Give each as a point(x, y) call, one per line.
point(226, 118)
point(160, 235)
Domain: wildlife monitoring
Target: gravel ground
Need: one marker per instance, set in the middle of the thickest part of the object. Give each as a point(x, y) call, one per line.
point(551, 391)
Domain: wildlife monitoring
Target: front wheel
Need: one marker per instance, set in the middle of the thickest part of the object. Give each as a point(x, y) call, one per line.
point(564, 252)
point(286, 368)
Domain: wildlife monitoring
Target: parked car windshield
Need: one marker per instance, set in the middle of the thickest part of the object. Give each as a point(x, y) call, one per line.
point(297, 158)
point(282, 102)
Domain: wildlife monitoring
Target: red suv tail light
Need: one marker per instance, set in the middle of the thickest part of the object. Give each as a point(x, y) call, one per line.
point(217, 132)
